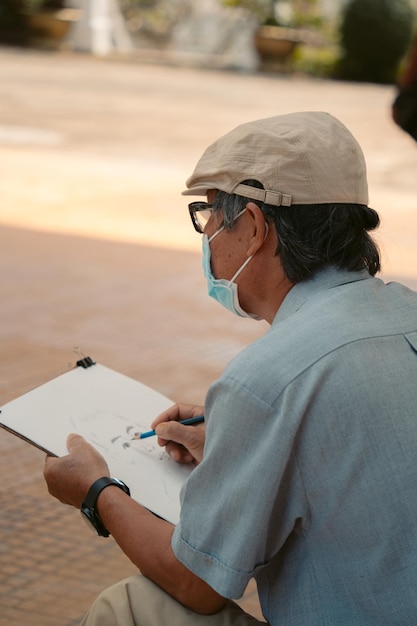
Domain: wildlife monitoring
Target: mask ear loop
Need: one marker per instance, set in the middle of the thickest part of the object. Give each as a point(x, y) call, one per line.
point(223, 227)
point(232, 280)
point(215, 234)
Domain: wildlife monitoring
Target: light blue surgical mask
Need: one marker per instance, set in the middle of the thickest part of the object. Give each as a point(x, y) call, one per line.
point(222, 290)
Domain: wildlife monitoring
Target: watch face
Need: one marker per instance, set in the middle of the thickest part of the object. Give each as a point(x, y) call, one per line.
point(88, 510)
point(88, 518)
point(122, 485)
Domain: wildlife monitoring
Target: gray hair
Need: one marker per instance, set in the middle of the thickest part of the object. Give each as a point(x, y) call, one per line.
point(232, 204)
point(311, 238)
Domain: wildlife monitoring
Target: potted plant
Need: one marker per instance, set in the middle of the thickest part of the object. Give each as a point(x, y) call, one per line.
point(274, 41)
point(49, 21)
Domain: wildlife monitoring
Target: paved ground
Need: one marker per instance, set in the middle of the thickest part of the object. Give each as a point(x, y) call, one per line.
point(97, 252)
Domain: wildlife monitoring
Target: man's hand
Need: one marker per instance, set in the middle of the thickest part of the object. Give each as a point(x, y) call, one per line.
point(144, 538)
point(70, 477)
point(184, 444)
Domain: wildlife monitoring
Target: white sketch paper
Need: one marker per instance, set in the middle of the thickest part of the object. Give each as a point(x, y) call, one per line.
point(107, 409)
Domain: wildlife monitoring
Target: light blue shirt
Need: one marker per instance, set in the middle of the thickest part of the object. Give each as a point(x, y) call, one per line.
point(309, 477)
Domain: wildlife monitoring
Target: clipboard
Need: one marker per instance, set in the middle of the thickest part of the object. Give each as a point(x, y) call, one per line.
point(107, 408)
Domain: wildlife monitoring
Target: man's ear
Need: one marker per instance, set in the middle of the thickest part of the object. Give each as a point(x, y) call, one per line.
point(259, 228)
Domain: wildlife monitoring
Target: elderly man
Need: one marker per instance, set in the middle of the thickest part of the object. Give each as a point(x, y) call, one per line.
point(305, 475)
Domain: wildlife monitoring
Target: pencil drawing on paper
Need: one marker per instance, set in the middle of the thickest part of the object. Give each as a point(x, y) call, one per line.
point(114, 433)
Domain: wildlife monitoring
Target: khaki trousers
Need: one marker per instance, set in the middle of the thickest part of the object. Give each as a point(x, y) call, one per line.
point(137, 601)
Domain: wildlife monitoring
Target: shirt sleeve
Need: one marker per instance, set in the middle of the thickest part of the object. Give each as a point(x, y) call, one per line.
point(242, 502)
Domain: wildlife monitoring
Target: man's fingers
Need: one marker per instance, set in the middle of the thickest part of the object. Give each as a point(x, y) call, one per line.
point(189, 437)
point(73, 439)
point(178, 453)
point(178, 412)
point(173, 431)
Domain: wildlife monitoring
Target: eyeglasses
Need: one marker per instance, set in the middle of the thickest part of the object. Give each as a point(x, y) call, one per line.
point(200, 213)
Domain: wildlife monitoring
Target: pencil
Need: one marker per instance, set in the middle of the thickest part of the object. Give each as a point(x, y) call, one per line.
point(192, 420)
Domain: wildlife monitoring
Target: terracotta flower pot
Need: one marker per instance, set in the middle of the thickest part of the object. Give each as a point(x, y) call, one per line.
point(52, 26)
point(275, 45)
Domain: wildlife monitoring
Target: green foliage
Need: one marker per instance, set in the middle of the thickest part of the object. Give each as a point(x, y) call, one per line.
point(307, 13)
point(154, 18)
point(293, 13)
point(374, 36)
point(33, 5)
point(36, 5)
point(314, 61)
point(262, 10)
point(13, 29)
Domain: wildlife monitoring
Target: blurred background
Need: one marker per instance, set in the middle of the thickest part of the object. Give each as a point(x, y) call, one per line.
point(105, 107)
point(349, 39)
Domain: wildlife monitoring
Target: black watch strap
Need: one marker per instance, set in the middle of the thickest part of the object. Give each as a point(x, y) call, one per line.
point(88, 507)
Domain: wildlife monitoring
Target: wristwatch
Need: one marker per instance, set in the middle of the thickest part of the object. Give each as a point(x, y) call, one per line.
point(88, 507)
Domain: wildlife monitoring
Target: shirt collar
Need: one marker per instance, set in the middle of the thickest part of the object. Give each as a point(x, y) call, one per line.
point(325, 279)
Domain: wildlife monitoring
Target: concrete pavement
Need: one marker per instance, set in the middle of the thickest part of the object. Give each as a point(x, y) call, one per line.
point(97, 252)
